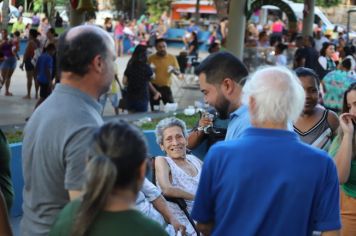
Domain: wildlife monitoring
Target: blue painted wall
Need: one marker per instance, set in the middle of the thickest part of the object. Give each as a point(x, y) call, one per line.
point(17, 177)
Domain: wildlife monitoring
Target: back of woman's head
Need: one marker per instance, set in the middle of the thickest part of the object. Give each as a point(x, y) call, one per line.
point(139, 55)
point(117, 153)
point(281, 47)
point(33, 33)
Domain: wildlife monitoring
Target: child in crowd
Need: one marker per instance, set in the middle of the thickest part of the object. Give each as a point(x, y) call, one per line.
point(43, 72)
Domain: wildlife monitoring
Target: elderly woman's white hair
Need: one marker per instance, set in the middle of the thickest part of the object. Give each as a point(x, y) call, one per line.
point(278, 95)
point(167, 123)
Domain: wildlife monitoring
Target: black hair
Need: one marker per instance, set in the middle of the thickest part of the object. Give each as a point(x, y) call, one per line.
point(17, 33)
point(303, 72)
point(346, 63)
point(212, 47)
point(50, 47)
point(139, 55)
point(75, 54)
point(281, 47)
point(33, 33)
point(221, 65)
point(324, 47)
point(52, 31)
point(159, 41)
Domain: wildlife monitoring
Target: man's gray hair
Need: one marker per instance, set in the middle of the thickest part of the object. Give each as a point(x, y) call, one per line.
point(278, 94)
point(167, 123)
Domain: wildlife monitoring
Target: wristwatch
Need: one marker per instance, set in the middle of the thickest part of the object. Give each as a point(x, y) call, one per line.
point(200, 128)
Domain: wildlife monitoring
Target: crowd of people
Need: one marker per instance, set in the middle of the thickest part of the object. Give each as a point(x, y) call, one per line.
point(281, 142)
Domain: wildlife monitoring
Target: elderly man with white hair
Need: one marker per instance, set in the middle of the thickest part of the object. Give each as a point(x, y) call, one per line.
point(268, 182)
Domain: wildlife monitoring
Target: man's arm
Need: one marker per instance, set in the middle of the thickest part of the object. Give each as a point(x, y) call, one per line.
point(331, 233)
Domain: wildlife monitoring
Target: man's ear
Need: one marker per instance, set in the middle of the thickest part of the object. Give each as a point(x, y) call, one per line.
point(161, 146)
point(252, 104)
point(228, 86)
point(98, 63)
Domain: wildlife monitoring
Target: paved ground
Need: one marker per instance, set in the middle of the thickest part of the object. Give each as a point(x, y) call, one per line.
point(15, 109)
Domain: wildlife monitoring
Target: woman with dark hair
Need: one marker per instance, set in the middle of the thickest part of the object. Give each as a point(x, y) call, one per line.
point(193, 45)
point(32, 45)
point(8, 65)
point(316, 125)
point(343, 150)
point(108, 24)
point(137, 77)
point(114, 175)
point(326, 63)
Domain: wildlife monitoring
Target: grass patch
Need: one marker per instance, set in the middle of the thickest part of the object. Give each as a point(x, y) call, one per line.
point(190, 121)
point(14, 137)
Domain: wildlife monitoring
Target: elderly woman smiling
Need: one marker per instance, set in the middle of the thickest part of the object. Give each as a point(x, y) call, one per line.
point(177, 173)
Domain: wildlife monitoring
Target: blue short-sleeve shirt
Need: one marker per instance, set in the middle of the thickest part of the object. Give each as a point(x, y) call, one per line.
point(239, 121)
point(267, 183)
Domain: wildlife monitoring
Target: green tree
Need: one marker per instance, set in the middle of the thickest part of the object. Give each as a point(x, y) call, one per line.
point(322, 3)
point(157, 7)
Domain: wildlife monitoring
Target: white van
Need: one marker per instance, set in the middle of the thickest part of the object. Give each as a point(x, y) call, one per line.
point(298, 11)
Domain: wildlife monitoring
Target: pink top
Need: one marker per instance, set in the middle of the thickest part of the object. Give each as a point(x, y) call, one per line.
point(277, 27)
point(119, 29)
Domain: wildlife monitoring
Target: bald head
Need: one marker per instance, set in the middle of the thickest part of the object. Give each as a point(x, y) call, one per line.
point(276, 93)
point(78, 46)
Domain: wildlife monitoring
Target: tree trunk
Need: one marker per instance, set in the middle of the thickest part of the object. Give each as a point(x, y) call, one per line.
point(237, 26)
point(308, 18)
point(5, 14)
point(221, 7)
point(76, 17)
point(197, 6)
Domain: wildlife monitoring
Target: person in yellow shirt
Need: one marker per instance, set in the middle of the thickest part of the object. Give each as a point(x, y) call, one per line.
point(18, 26)
point(112, 93)
point(163, 65)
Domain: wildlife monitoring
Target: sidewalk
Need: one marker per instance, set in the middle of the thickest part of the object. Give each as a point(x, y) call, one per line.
point(15, 109)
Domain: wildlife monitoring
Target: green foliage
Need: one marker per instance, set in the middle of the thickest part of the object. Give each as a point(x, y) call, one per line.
point(323, 3)
point(37, 5)
point(157, 7)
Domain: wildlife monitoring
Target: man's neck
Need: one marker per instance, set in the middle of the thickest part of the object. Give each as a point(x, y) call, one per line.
point(80, 83)
point(270, 125)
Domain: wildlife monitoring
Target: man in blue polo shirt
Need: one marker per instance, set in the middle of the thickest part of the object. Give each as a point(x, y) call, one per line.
point(268, 182)
point(221, 77)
